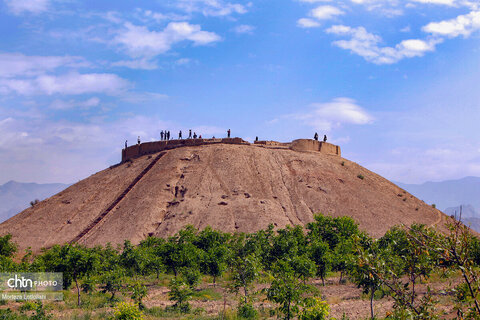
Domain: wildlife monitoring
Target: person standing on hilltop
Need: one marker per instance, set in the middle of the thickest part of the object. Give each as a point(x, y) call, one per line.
point(325, 138)
point(126, 144)
point(138, 140)
point(168, 135)
point(161, 135)
point(315, 136)
point(228, 133)
point(194, 135)
point(180, 135)
point(190, 134)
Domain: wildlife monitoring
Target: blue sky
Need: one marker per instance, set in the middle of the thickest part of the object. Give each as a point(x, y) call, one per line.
point(395, 83)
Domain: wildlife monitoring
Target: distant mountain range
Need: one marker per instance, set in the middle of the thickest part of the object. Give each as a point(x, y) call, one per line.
point(449, 195)
point(16, 196)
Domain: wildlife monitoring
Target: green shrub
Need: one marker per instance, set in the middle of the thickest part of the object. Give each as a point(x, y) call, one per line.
point(246, 311)
point(127, 311)
point(315, 309)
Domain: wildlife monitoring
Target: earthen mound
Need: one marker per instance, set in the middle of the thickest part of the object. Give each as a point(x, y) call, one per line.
point(230, 187)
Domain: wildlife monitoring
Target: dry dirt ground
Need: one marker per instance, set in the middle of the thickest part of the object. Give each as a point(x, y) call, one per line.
point(232, 188)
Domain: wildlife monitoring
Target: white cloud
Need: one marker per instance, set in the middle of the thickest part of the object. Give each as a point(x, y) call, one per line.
point(462, 25)
point(141, 97)
point(314, 1)
point(325, 12)
point(66, 151)
point(441, 2)
point(141, 64)
point(17, 64)
point(141, 42)
point(244, 28)
point(71, 104)
point(366, 45)
point(183, 61)
point(339, 111)
point(307, 23)
point(27, 6)
point(417, 165)
point(215, 8)
point(70, 84)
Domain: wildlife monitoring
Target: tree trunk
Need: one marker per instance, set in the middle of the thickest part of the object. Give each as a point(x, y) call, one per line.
point(413, 289)
point(371, 303)
point(78, 292)
point(288, 311)
point(214, 281)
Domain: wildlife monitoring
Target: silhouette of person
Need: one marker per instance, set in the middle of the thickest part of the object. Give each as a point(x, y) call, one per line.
point(200, 137)
point(325, 138)
point(190, 134)
point(161, 135)
point(194, 135)
point(180, 135)
point(168, 135)
point(228, 133)
point(315, 136)
point(256, 138)
point(126, 144)
point(138, 140)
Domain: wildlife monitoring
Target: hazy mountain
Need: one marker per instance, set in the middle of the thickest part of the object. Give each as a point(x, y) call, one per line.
point(468, 211)
point(449, 195)
point(446, 194)
point(16, 196)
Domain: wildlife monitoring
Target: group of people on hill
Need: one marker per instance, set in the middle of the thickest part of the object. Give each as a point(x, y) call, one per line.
point(165, 136)
point(315, 137)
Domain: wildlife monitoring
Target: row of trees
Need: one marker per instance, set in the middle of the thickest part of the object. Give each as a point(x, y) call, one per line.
point(285, 259)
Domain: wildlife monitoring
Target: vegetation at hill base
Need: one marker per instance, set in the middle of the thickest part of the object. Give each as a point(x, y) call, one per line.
point(270, 274)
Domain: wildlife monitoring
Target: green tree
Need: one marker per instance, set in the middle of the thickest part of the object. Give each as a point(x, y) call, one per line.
point(287, 289)
point(152, 248)
point(139, 292)
point(244, 271)
point(7, 250)
point(78, 262)
point(111, 281)
point(7, 246)
point(215, 252)
point(362, 268)
point(180, 292)
point(133, 259)
point(321, 255)
point(332, 230)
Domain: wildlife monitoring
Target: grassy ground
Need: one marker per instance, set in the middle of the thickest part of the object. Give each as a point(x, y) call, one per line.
point(215, 302)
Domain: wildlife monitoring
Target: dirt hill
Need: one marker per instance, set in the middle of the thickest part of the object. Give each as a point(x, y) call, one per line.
point(229, 187)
